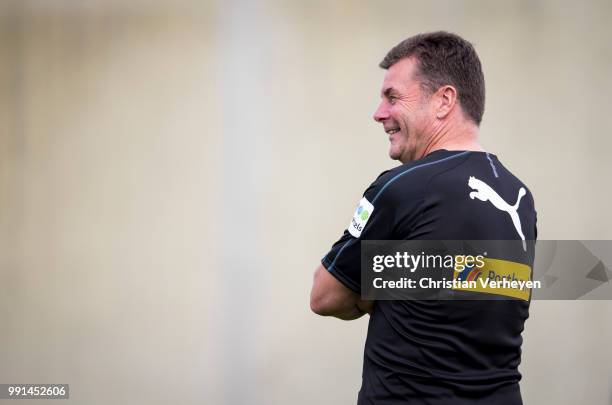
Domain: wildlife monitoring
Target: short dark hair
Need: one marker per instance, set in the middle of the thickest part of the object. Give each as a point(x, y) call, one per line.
point(445, 59)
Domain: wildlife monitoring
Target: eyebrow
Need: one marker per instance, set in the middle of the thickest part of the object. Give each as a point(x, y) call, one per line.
point(388, 91)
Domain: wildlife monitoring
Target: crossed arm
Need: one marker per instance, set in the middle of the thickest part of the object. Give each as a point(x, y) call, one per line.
point(329, 297)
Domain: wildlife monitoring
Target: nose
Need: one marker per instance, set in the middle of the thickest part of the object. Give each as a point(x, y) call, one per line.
point(381, 113)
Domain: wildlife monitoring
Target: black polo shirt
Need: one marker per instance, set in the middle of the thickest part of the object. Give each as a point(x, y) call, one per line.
point(440, 352)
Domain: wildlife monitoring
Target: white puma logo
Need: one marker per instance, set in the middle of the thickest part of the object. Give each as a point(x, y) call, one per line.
point(485, 193)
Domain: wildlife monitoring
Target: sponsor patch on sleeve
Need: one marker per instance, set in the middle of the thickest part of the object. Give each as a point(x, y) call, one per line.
point(499, 277)
point(363, 212)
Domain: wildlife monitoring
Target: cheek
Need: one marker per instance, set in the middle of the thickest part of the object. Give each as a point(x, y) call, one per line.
point(404, 124)
point(403, 116)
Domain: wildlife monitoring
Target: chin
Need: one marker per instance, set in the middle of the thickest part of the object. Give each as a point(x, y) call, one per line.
point(394, 153)
point(394, 156)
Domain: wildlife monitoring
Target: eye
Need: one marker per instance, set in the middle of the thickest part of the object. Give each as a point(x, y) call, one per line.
point(392, 99)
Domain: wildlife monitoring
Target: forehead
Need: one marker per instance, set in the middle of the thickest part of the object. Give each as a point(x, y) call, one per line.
point(401, 76)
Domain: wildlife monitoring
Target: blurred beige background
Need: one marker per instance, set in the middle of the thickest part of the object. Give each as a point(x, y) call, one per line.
point(172, 172)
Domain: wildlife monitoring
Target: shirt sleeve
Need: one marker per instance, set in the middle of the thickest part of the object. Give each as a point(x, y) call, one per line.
point(373, 219)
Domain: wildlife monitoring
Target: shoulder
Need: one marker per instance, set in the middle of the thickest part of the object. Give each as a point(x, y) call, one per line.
point(411, 179)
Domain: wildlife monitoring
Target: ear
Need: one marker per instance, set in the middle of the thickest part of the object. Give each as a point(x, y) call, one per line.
point(447, 98)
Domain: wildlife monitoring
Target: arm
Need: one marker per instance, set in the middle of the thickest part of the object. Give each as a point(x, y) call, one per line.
point(329, 297)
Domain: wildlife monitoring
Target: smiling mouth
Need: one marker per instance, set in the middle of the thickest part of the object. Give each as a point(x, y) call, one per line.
point(392, 131)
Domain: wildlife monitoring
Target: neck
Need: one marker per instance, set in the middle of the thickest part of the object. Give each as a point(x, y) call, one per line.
point(453, 136)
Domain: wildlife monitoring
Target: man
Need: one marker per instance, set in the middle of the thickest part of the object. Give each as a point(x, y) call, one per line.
point(448, 188)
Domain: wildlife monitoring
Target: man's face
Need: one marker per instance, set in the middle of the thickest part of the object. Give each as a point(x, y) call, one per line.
point(404, 111)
